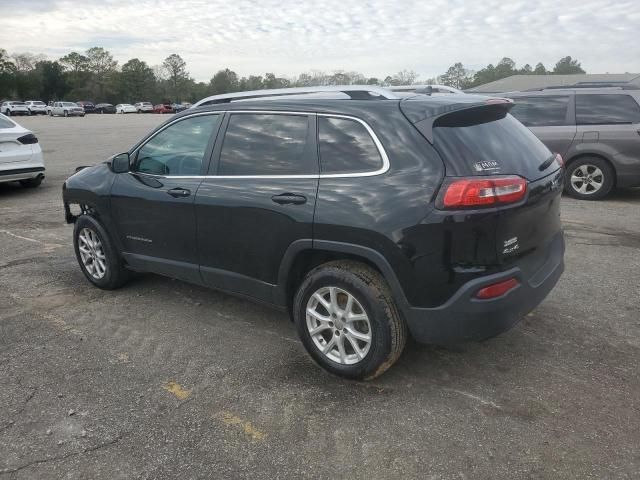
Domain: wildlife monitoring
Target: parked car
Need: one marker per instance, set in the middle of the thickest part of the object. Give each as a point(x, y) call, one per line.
point(178, 107)
point(144, 107)
point(367, 220)
point(105, 108)
point(596, 130)
point(88, 107)
point(36, 107)
point(163, 108)
point(66, 109)
point(20, 155)
point(14, 108)
point(125, 108)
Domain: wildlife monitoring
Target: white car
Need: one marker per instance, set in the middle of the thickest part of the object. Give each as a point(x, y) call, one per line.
point(144, 107)
point(66, 109)
point(20, 155)
point(36, 107)
point(125, 108)
point(14, 108)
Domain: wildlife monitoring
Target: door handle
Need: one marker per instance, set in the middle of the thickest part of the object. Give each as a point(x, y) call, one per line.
point(179, 192)
point(289, 198)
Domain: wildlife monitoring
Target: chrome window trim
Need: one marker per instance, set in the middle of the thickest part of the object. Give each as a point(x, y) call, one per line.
point(383, 154)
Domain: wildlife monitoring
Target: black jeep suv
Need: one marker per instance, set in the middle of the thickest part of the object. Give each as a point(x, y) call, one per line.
point(368, 218)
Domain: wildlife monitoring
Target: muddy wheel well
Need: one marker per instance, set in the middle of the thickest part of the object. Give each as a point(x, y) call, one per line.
point(307, 260)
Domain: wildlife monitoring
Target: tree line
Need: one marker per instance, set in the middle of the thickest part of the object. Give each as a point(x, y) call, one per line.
point(96, 76)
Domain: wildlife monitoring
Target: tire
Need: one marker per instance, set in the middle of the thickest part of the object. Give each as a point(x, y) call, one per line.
point(598, 174)
point(114, 274)
point(66, 114)
point(371, 298)
point(8, 113)
point(50, 113)
point(31, 182)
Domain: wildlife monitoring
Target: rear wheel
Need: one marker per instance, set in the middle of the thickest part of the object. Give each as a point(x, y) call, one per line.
point(31, 182)
point(347, 320)
point(98, 258)
point(66, 114)
point(589, 178)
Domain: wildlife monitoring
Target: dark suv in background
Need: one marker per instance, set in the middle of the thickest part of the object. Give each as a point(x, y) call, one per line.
point(366, 216)
point(595, 129)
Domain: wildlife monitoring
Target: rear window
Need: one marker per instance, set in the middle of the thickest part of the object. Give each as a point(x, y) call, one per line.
point(267, 144)
point(541, 111)
point(488, 141)
point(6, 123)
point(346, 147)
point(606, 109)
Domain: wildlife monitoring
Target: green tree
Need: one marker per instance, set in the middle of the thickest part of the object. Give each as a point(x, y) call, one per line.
point(225, 81)
point(102, 66)
point(456, 76)
point(540, 69)
point(253, 82)
point(137, 81)
point(75, 62)
point(54, 84)
point(567, 65)
point(7, 75)
point(271, 81)
point(177, 74)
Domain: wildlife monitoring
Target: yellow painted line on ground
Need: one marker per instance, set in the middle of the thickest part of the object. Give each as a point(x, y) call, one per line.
point(177, 390)
point(229, 418)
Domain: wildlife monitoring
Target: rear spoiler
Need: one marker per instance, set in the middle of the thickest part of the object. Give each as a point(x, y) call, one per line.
point(424, 114)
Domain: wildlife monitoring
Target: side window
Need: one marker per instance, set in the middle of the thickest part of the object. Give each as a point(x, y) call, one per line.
point(267, 144)
point(606, 109)
point(178, 149)
point(346, 147)
point(541, 111)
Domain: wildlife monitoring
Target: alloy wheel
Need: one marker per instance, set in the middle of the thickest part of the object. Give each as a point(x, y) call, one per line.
point(587, 179)
point(338, 325)
point(92, 253)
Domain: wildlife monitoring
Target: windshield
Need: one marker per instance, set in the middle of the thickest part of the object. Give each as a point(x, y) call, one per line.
point(68, 104)
point(17, 103)
point(37, 103)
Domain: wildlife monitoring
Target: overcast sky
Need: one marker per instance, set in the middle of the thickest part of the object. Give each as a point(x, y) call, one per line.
point(375, 37)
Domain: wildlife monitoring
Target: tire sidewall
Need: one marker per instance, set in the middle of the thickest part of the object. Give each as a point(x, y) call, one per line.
point(375, 309)
point(112, 258)
point(606, 169)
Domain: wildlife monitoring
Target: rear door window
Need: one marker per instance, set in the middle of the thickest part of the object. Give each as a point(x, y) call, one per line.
point(257, 144)
point(606, 109)
point(488, 141)
point(541, 111)
point(346, 147)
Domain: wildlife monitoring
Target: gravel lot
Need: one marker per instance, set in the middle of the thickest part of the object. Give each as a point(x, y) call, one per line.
point(162, 379)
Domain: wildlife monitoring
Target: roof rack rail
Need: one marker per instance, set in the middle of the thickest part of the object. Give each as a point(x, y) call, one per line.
point(426, 89)
point(621, 86)
point(355, 92)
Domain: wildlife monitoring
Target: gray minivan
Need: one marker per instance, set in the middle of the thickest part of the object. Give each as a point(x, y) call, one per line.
point(595, 129)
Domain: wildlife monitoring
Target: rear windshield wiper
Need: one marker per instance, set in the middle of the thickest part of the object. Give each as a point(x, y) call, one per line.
point(547, 163)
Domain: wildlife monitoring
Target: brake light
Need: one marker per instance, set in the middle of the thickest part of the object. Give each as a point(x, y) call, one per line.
point(28, 138)
point(497, 289)
point(482, 192)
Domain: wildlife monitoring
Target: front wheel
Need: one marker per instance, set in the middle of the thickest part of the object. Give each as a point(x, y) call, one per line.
point(589, 178)
point(98, 258)
point(8, 113)
point(347, 320)
point(66, 114)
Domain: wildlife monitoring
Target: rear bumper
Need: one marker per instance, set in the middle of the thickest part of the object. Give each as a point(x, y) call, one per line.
point(465, 318)
point(20, 174)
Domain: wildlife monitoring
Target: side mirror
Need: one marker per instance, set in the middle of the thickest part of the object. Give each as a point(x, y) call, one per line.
point(120, 163)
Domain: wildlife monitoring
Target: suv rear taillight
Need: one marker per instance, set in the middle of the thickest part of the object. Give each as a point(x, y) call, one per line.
point(28, 138)
point(478, 192)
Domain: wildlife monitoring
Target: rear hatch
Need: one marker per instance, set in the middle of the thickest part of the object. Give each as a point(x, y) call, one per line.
point(479, 139)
